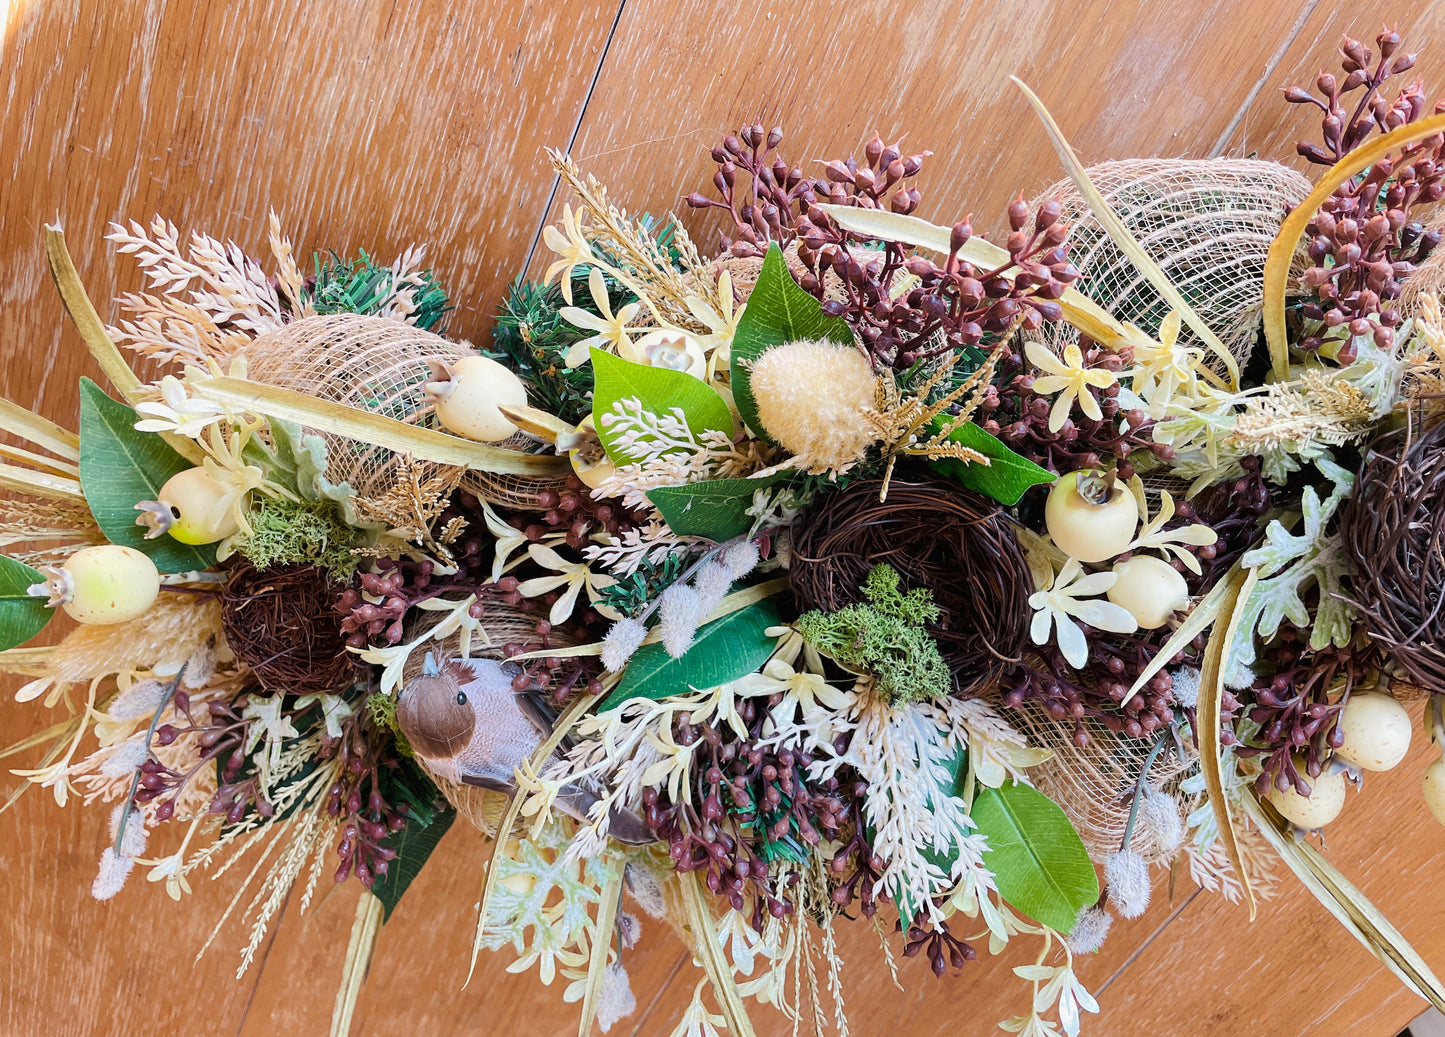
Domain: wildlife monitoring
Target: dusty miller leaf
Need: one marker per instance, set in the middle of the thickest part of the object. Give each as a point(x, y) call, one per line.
point(1289, 564)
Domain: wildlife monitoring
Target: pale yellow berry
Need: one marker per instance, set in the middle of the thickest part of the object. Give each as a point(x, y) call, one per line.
point(193, 507)
point(469, 395)
point(584, 449)
point(1320, 807)
point(1376, 730)
point(103, 585)
point(1093, 523)
point(1434, 789)
point(1149, 589)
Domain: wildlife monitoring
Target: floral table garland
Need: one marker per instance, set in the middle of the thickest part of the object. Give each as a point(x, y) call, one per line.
point(865, 568)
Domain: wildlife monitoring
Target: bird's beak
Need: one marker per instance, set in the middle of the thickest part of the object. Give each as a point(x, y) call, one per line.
point(429, 667)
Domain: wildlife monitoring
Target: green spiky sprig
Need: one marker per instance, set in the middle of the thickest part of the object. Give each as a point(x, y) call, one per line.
point(885, 636)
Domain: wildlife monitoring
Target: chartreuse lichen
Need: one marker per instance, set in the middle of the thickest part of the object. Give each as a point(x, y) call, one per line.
point(287, 532)
point(886, 637)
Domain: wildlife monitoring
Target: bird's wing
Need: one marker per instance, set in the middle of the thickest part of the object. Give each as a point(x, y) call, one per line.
point(488, 781)
point(535, 709)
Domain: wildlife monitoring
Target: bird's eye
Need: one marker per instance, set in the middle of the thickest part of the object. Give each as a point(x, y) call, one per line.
point(461, 698)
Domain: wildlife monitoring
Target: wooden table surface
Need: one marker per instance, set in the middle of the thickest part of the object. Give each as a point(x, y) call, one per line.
point(370, 124)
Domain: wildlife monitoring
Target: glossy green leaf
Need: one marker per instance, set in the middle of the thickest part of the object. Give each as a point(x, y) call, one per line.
point(1005, 478)
point(778, 311)
point(21, 616)
point(413, 844)
point(716, 509)
point(661, 391)
point(726, 649)
point(119, 468)
point(428, 816)
point(1038, 860)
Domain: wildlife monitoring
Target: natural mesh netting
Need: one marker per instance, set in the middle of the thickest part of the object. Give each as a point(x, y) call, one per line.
point(513, 492)
point(1207, 223)
point(372, 364)
point(1094, 784)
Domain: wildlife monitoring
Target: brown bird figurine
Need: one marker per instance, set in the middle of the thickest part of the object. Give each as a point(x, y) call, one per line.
point(464, 719)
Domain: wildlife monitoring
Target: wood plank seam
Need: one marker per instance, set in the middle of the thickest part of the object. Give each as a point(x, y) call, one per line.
point(1269, 66)
point(572, 137)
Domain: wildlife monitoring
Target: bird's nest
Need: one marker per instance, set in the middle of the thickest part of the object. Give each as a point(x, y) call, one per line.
point(283, 624)
point(1394, 530)
point(958, 545)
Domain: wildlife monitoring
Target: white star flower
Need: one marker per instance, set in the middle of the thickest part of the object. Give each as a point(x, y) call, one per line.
point(1055, 605)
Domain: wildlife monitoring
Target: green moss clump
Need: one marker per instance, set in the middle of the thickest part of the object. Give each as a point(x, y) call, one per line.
point(286, 532)
point(381, 711)
point(885, 636)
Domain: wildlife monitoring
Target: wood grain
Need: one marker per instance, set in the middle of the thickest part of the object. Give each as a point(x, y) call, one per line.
point(376, 125)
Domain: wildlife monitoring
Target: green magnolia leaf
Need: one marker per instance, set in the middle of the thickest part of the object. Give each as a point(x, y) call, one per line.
point(716, 509)
point(1004, 478)
point(21, 616)
point(428, 816)
point(413, 844)
point(660, 391)
point(778, 311)
point(119, 468)
point(1038, 860)
point(726, 649)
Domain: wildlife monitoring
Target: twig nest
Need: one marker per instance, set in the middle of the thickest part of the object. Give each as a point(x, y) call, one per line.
point(469, 395)
point(1320, 807)
point(1207, 223)
point(101, 586)
point(1376, 729)
point(1393, 529)
point(1434, 790)
point(936, 535)
point(282, 623)
point(1089, 517)
point(812, 398)
point(1149, 589)
point(373, 364)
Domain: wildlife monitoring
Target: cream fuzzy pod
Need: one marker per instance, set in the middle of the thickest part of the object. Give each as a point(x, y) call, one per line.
point(811, 398)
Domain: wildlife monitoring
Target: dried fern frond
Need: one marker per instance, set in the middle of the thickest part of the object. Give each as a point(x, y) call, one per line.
point(211, 295)
point(64, 526)
point(646, 263)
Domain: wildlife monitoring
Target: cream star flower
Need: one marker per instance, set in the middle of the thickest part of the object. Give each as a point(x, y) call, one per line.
point(1154, 537)
point(178, 413)
point(1163, 369)
point(172, 871)
point(575, 576)
point(809, 701)
point(721, 323)
point(611, 328)
point(1055, 605)
point(571, 246)
point(1070, 378)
